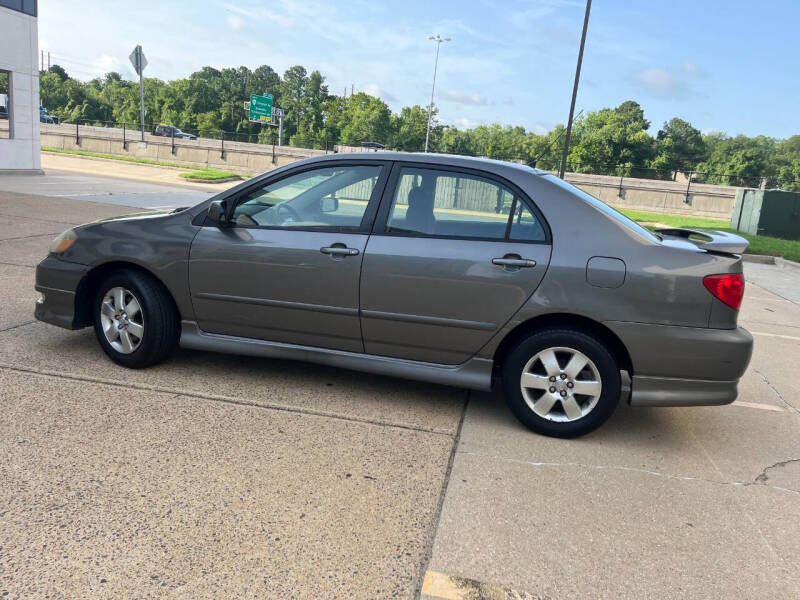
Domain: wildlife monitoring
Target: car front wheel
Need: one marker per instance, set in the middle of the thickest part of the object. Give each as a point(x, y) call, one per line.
point(135, 319)
point(561, 382)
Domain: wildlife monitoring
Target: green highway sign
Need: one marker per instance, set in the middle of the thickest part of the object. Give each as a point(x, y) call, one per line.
point(260, 107)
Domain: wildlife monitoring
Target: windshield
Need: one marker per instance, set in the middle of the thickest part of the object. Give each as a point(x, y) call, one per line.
point(605, 208)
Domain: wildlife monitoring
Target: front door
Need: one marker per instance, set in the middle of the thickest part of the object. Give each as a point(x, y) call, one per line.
point(288, 267)
point(454, 255)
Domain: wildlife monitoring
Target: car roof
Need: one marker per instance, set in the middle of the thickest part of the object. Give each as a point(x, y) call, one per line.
point(452, 160)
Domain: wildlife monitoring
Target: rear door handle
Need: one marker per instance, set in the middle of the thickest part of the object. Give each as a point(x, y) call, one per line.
point(339, 250)
point(519, 263)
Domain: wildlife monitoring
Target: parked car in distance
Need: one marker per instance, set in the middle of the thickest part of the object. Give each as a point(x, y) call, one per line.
point(44, 117)
point(373, 145)
point(170, 131)
point(453, 270)
point(3, 112)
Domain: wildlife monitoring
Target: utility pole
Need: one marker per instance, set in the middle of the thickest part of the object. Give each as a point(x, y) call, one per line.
point(563, 168)
point(48, 60)
point(42, 60)
point(438, 39)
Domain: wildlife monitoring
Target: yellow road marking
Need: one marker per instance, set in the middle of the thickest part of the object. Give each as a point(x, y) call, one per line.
point(447, 587)
point(758, 405)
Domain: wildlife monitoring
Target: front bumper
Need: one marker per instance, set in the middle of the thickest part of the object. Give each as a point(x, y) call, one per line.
point(58, 282)
point(684, 366)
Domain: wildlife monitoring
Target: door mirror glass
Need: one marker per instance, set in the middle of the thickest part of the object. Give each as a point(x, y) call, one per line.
point(329, 204)
point(217, 213)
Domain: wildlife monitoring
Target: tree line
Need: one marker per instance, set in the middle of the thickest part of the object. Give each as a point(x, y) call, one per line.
point(610, 141)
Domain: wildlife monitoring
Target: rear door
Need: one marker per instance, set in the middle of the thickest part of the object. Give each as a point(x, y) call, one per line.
point(453, 255)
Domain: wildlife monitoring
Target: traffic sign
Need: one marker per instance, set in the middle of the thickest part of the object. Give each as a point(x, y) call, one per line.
point(138, 60)
point(260, 108)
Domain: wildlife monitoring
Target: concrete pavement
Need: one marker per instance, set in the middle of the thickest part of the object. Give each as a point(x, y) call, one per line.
point(221, 476)
point(658, 503)
point(209, 476)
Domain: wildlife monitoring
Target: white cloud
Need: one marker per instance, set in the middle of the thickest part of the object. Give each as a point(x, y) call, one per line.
point(671, 83)
point(464, 123)
point(235, 22)
point(659, 83)
point(461, 98)
point(374, 89)
point(692, 68)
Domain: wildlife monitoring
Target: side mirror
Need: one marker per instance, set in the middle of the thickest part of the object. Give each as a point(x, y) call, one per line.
point(217, 214)
point(329, 204)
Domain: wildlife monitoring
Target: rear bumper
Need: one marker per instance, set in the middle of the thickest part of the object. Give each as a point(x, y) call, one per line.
point(684, 366)
point(666, 391)
point(58, 281)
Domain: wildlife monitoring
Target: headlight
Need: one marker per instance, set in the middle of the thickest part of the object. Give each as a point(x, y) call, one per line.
point(63, 242)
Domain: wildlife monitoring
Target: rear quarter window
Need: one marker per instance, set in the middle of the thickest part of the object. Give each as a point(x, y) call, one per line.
point(604, 208)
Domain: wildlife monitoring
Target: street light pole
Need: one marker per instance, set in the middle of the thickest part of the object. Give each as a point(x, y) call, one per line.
point(563, 168)
point(438, 39)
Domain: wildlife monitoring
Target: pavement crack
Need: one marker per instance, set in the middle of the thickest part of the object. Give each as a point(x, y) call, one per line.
point(777, 392)
point(227, 400)
point(763, 477)
point(25, 237)
point(428, 556)
point(10, 264)
point(649, 472)
point(10, 327)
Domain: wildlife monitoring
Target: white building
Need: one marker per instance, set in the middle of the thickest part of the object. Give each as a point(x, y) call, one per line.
point(19, 80)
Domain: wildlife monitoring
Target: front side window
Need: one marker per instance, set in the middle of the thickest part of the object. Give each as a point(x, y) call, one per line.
point(449, 204)
point(324, 198)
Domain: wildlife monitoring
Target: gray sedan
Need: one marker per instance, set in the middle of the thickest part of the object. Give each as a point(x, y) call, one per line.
point(446, 269)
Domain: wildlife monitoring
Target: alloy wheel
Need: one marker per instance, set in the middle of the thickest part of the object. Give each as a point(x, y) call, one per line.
point(122, 320)
point(561, 384)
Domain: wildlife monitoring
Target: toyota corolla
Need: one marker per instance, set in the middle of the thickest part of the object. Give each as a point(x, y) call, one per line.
point(453, 270)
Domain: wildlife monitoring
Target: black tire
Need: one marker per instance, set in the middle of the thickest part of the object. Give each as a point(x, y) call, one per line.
point(585, 343)
point(160, 319)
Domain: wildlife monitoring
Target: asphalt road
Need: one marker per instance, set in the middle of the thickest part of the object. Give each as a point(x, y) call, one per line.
point(219, 476)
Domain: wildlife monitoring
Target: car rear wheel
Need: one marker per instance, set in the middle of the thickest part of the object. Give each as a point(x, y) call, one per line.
point(561, 382)
point(135, 319)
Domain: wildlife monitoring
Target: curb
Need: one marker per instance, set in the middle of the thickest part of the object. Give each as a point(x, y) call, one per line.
point(212, 181)
point(782, 262)
point(759, 258)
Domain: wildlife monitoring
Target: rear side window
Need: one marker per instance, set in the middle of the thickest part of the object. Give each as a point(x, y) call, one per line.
point(439, 203)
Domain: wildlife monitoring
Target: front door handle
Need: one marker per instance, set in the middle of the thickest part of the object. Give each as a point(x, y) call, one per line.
point(339, 250)
point(514, 262)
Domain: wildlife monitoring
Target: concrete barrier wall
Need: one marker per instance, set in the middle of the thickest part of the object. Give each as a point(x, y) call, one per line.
point(231, 156)
point(665, 197)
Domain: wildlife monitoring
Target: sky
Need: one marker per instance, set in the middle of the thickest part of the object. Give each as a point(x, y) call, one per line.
point(723, 65)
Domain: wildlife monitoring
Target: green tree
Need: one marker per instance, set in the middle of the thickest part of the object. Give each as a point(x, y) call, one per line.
point(679, 147)
point(364, 118)
point(410, 126)
point(611, 141)
point(293, 92)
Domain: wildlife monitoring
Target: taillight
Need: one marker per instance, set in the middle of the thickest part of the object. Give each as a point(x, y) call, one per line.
point(728, 288)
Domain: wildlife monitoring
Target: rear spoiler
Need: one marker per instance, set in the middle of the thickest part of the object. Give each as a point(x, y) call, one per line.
point(713, 241)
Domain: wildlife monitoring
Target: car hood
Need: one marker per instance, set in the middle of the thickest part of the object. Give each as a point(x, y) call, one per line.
point(140, 216)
